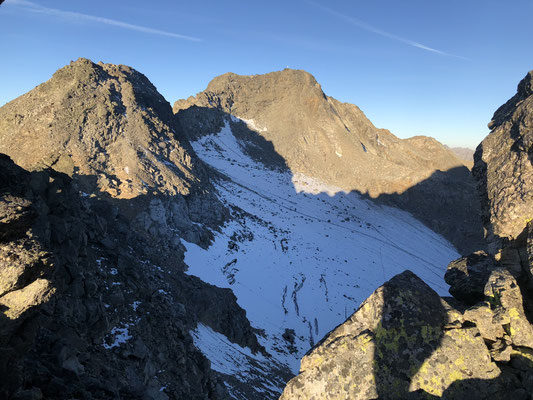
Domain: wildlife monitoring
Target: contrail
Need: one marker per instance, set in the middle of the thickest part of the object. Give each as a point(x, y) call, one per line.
point(370, 28)
point(79, 17)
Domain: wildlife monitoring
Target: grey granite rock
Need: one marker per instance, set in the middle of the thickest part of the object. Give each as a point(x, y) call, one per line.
point(503, 168)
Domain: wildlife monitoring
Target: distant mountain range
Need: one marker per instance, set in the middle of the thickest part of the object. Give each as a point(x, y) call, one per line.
point(465, 154)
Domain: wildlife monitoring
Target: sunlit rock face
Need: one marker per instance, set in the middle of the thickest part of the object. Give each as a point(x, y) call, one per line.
point(101, 120)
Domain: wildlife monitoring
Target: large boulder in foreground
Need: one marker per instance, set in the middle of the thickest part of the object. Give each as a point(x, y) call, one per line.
point(404, 341)
point(503, 167)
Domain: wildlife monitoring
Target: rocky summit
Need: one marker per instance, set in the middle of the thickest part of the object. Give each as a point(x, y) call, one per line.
point(406, 342)
point(103, 121)
point(318, 136)
point(108, 128)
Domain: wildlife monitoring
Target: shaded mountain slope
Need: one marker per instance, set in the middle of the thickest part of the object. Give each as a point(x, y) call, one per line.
point(334, 142)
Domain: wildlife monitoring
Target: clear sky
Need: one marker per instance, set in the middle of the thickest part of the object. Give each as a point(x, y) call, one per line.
point(415, 67)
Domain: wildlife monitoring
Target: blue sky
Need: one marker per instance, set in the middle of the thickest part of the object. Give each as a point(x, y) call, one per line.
point(437, 68)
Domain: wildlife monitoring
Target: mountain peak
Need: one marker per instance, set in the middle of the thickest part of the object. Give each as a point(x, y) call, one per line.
point(278, 79)
point(286, 114)
point(101, 120)
point(525, 87)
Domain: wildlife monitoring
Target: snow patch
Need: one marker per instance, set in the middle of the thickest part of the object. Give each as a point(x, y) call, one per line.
point(118, 335)
point(225, 356)
point(301, 255)
point(307, 184)
point(230, 358)
point(250, 123)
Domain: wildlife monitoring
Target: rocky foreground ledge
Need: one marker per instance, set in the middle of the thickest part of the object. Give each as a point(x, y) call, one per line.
point(407, 342)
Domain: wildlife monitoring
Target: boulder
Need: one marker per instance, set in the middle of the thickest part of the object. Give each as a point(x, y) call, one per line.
point(399, 344)
point(505, 299)
point(467, 276)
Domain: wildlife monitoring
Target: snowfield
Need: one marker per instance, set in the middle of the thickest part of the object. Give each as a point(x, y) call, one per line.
point(300, 255)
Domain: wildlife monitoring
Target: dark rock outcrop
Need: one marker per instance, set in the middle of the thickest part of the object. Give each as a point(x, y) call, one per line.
point(467, 276)
point(86, 311)
point(334, 142)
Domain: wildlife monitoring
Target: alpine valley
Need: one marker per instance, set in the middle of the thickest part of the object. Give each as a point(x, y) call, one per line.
point(223, 248)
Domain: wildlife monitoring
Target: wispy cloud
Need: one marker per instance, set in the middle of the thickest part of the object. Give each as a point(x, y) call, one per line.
point(80, 17)
point(370, 28)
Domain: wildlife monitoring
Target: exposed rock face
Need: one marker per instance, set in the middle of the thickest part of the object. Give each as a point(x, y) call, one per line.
point(107, 127)
point(504, 167)
point(86, 311)
point(334, 142)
